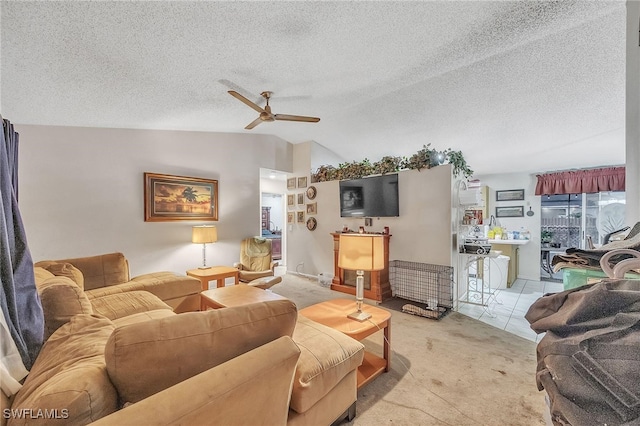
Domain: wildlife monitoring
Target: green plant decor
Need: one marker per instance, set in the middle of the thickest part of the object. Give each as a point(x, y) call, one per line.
point(424, 158)
point(546, 236)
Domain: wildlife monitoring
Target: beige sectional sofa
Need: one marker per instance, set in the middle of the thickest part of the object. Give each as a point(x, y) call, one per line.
point(109, 274)
point(128, 358)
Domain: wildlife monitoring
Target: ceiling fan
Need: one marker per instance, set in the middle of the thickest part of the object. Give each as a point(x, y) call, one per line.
point(266, 114)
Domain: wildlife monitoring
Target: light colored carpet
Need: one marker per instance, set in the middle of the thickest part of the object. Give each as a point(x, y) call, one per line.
point(453, 371)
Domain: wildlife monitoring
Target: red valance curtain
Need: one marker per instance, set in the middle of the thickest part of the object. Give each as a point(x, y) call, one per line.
point(579, 181)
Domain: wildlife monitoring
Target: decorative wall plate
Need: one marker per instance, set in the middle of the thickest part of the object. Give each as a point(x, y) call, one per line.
point(312, 223)
point(311, 192)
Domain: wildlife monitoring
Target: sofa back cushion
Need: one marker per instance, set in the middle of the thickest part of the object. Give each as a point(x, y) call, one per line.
point(61, 299)
point(41, 274)
point(99, 271)
point(147, 357)
point(63, 270)
point(69, 377)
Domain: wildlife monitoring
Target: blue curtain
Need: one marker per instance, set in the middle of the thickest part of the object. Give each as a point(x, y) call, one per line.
point(20, 302)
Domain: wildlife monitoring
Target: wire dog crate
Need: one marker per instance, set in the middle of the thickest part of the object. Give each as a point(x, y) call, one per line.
point(431, 286)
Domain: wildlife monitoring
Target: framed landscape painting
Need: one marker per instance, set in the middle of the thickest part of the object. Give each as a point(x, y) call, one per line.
point(510, 195)
point(169, 198)
point(510, 211)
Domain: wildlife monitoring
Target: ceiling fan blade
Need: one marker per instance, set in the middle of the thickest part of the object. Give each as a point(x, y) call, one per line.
point(244, 92)
point(287, 117)
point(254, 123)
point(245, 100)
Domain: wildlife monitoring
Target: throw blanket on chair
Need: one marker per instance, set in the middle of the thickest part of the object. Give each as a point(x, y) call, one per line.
point(256, 254)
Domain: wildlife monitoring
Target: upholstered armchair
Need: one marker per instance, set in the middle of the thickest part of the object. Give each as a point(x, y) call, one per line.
point(255, 259)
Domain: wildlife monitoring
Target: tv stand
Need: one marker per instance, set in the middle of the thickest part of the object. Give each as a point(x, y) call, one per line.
point(376, 283)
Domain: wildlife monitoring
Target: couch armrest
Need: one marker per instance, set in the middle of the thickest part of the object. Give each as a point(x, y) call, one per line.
point(252, 388)
point(189, 344)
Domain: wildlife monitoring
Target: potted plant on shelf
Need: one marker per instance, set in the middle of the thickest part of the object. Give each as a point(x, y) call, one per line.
point(545, 237)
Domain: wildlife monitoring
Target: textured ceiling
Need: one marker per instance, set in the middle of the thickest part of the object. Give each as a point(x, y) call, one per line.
point(516, 86)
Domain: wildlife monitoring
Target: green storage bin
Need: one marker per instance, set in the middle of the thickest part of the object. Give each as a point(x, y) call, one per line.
point(572, 278)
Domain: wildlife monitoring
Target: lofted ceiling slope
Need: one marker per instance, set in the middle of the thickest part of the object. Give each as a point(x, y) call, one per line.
point(527, 86)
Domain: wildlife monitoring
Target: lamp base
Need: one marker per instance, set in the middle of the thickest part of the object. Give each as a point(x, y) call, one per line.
point(359, 316)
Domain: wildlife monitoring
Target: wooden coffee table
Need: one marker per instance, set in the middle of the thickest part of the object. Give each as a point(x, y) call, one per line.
point(236, 295)
point(333, 313)
point(217, 273)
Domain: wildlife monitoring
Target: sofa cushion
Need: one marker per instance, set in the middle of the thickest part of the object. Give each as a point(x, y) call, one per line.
point(121, 305)
point(61, 299)
point(99, 271)
point(165, 285)
point(66, 270)
point(41, 274)
point(326, 357)
point(143, 316)
point(190, 343)
point(69, 375)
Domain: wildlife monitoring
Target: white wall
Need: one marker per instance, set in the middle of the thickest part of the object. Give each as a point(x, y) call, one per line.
point(81, 191)
point(632, 193)
point(529, 266)
point(422, 232)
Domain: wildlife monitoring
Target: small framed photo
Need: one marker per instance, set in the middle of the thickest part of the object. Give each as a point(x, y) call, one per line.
point(302, 182)
point(291, 217)
point(291, 200)
point(510, 211)
point(312, 208)
point(291, 183)
point(301, 198)
point(300, 216)
point(510, 195)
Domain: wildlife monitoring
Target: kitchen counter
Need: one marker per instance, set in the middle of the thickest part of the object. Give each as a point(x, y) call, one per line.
point(510, 242)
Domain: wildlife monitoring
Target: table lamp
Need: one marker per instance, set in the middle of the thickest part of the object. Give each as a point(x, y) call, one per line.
point(361, 252)
point(204, 235)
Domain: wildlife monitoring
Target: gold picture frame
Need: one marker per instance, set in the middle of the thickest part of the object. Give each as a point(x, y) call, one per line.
point(291, 217)
point(312, 208)
point(291, 183)
point(171, 198)
point(300, 216)
point(291, 200)
point(302, 182)
point(301, 198)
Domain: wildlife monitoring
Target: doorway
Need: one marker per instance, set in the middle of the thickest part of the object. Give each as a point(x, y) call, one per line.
point(273, 213)
point(272, 221)
point(577, 220)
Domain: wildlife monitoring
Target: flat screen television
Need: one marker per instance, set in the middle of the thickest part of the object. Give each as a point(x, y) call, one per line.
point(375, 196)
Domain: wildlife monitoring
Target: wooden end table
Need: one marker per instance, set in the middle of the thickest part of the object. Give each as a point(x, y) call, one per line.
point(236, 295)
point(333, 313)
point(217, 273)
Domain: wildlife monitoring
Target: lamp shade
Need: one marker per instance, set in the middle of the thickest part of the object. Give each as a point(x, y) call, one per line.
point(364, 252)
point(204, 234)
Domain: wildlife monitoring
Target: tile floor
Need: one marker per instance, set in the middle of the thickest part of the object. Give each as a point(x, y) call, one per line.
point(507, 309)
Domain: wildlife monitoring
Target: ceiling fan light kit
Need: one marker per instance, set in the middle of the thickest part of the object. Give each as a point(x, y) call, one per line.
point(266, 114)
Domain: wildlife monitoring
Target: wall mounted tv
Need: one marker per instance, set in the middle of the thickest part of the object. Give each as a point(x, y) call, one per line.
point(375, 196)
